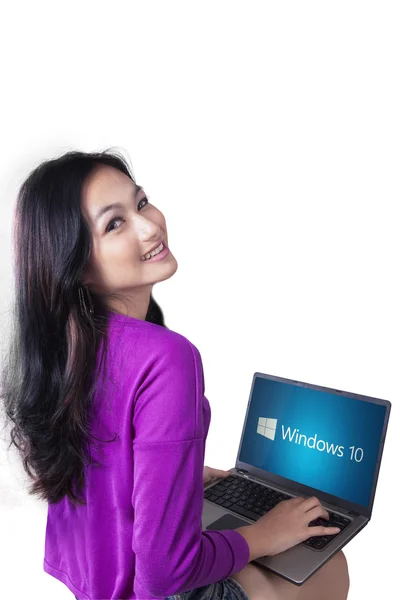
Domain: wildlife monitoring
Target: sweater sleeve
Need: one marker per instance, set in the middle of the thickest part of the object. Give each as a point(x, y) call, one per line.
point(173, 554)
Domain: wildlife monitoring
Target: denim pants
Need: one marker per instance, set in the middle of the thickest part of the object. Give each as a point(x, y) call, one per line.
point(228, 589)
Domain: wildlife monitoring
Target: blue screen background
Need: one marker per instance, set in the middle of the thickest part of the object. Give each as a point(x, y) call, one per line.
point(336, 419)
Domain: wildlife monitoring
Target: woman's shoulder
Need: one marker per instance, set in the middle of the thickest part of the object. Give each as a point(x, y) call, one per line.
point(128, 331)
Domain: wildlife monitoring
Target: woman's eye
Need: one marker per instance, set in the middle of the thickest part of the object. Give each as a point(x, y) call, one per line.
point(113, 221)
point(145, 198)
point(120, 218)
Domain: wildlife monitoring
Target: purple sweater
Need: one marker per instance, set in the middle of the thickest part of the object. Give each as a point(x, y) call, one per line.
point(140, 535)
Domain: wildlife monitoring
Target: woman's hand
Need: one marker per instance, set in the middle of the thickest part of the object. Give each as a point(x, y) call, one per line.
point(210, 474)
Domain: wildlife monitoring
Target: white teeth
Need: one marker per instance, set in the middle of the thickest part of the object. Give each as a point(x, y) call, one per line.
point(153, 252)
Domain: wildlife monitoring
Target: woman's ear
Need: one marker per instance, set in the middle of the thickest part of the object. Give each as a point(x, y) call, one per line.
point(86, 278)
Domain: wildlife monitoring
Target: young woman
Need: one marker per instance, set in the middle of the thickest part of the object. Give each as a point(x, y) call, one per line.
point(108, 405)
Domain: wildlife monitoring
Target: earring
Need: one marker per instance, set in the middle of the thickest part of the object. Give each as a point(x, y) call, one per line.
point(84, 310)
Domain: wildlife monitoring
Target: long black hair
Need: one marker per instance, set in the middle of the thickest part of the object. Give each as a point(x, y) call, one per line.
point(47, 380)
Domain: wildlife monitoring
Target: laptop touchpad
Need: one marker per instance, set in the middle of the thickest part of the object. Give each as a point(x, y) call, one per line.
point(227, 521)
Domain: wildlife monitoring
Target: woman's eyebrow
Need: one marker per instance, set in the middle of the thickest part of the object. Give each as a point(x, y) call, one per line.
point(109, 207)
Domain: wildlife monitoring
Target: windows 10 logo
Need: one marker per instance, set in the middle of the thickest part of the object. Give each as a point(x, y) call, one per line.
point(267, 427)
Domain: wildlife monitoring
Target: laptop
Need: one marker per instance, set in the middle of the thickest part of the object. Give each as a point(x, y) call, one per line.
point(300, 439)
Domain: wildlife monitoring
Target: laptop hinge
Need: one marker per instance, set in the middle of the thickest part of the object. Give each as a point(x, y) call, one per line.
point(242, 471)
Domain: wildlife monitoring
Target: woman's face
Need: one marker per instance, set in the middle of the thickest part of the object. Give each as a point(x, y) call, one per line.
point(121, 236)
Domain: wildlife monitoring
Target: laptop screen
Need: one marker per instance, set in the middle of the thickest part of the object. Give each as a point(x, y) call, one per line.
point(320, 439)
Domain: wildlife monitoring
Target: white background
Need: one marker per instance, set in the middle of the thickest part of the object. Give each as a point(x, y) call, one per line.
point(268, 135)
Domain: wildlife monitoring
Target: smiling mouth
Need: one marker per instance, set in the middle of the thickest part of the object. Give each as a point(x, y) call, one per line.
point(162, 249)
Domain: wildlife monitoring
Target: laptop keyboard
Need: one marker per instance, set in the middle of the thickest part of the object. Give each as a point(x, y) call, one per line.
point(252, 500)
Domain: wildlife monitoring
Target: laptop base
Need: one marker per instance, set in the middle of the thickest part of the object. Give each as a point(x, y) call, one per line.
point(297, 564)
